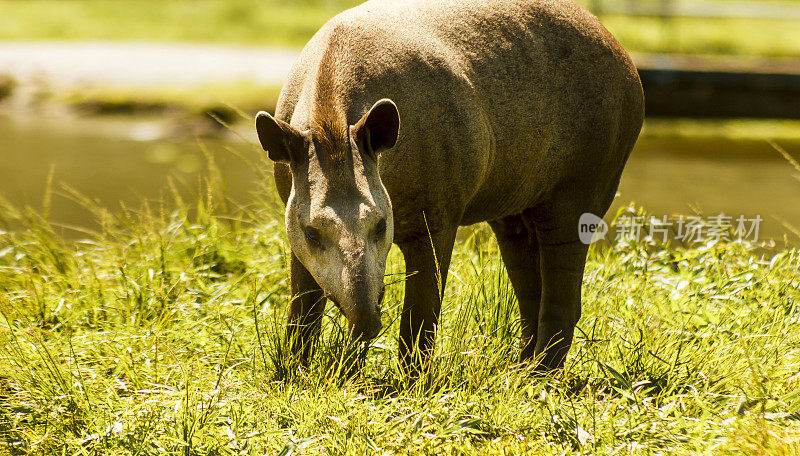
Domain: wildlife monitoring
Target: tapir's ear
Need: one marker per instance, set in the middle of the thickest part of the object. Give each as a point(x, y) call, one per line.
point(282, 142)
point(379, 127)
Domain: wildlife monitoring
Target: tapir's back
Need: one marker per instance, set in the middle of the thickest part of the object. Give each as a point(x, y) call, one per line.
point(501, 101)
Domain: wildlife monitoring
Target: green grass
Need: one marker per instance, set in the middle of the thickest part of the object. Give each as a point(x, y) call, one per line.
point(291, 23)
point(729, 129)
point(273, 22)
point(745, 37)
point(161, 334)
point(224, 99)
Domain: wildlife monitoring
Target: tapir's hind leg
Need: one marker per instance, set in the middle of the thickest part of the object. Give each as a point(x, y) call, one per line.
point(519, 248)
point(563, 257)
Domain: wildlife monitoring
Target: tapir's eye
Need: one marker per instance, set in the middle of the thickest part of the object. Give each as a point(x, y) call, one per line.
point(313, 236)
point(380, 228)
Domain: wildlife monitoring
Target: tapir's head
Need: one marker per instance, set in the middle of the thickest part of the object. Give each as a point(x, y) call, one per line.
point(338, 215)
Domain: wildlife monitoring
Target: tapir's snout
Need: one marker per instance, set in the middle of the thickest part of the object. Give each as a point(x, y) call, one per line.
point(365, 323)
point(364, 313)
point(365, 329)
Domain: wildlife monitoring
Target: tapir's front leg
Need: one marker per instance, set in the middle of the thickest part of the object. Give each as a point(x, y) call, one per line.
point(305, 311)
point(427, 261)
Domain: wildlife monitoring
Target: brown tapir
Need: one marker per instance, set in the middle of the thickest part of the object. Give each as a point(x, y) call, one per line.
point(402, 121)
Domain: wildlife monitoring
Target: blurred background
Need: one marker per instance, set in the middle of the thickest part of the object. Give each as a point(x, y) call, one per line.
point(118, 102)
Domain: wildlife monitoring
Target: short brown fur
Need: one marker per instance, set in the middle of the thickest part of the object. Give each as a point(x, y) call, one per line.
point(521, 113)
point(328, 123)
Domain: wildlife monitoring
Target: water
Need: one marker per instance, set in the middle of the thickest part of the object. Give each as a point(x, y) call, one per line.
point(712, 176)
point(114, 161)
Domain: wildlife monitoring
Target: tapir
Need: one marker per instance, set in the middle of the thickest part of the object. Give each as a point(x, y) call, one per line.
point(403, 120)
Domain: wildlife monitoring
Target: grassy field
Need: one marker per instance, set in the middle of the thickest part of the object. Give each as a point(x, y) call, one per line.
point(161, 334)
point(291, 23)
point(272, 22)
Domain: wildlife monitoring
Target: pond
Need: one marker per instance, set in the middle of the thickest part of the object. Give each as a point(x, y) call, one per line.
point(123, 161)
